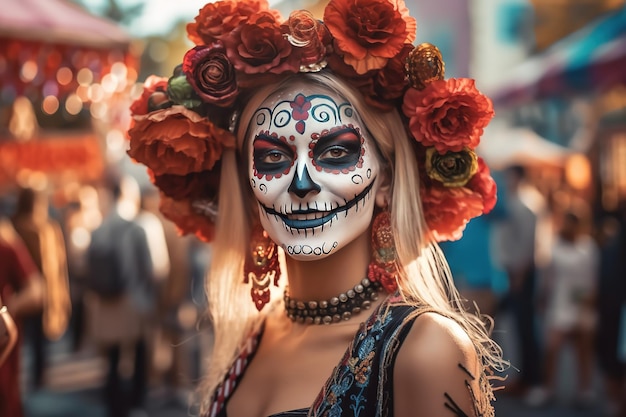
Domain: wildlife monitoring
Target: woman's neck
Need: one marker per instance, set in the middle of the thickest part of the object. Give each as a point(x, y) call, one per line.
point(327, 277)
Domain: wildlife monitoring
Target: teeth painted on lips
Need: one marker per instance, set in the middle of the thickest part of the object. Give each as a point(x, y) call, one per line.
point(307, 216)
point(310, 219)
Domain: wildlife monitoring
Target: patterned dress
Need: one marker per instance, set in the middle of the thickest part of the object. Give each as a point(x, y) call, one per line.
point(361, 384)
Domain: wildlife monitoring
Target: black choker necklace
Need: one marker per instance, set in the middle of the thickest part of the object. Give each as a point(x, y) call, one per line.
point(342, 307)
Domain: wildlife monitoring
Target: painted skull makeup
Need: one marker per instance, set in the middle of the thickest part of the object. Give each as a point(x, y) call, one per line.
point(313, 170)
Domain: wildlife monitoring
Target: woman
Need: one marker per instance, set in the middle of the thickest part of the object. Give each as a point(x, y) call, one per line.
point(569, 295)
point(22, 290)
point(284, 145)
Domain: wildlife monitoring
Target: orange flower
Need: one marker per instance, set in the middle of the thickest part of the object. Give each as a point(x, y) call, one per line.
point(177, 141)
point(448, 114)
point(216, 20)
point(447, 210)
point(187, 219)
point(369, 32)
point(151, 85)
point(483, 184)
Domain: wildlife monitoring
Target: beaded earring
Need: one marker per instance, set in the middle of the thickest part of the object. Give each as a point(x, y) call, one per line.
point(261, 267)
point(383, 267)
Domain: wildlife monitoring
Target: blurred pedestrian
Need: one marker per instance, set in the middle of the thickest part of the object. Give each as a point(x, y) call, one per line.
point(121, 299)
point(82, 216)
point(8, 332)
point(22, 291)
point(568, 293)
point(45, 242)
point(177, 316)
point(515, 240)
point(611, 304)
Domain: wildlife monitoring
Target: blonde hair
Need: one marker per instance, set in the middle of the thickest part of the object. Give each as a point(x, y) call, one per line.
point(425, 279)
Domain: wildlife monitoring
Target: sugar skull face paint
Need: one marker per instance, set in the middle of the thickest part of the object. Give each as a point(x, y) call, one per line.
point(313, 170)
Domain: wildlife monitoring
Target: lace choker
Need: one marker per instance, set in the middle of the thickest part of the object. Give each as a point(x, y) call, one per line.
point(341, 307)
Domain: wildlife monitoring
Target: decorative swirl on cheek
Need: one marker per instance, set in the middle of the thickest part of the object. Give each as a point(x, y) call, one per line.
point(252, 183)
point(357, 179)
point(263, 188)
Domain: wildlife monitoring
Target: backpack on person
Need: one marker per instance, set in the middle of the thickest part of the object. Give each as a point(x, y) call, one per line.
point(106, 276)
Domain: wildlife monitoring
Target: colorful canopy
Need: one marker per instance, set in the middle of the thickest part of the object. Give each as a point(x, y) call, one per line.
point(591, 59)
point(59, 22)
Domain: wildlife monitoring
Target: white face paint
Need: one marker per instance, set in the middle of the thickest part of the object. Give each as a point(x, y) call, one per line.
point(313, 171)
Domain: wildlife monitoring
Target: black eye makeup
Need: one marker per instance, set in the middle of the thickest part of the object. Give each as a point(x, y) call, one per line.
point(271, 155)
point(338, 150)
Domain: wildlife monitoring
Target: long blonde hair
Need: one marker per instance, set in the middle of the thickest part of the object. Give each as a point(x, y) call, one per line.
point(425, 279)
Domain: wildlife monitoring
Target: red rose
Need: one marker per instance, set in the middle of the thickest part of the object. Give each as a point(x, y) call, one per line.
point(211, 74)
point(187, 219)
point(369, 32)
point(152, 85)
point(196, 185)
point(448, 114)
point(390, 82)
point(258, 46)
point(216, 20)
point(177, 141)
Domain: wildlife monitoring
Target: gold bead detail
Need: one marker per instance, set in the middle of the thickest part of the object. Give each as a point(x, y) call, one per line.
point(424, 65)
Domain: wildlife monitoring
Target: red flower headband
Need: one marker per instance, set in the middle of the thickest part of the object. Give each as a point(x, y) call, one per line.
point(181, 125)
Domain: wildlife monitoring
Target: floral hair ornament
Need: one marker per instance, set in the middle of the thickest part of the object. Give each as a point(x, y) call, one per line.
point(182, 125)
point(447, 118)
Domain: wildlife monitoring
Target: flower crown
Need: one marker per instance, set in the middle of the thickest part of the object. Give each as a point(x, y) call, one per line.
point(182, 125)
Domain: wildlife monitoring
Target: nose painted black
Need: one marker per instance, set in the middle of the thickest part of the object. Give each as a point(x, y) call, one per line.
point(301, 186)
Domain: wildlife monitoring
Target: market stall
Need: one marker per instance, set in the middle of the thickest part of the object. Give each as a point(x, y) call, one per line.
point(62, 72)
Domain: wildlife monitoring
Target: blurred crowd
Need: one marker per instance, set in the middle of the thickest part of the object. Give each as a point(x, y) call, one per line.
point(556, 269)
point(545, 261)
point(54, 261)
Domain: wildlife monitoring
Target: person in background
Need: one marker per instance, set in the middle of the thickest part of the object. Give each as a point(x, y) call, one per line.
point(568, 292)
point(21, 291)
point(45, 242)
point(176, 315)
point(120, 299)
point(82, 216)
point(514, 244)
point(611, 309)
point(8, 332)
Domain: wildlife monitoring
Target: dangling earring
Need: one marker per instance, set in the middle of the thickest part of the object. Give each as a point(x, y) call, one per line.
point(261, 267)
point(383, 267)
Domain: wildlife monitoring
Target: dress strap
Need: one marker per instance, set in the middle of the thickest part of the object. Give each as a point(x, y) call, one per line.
point(233, 377)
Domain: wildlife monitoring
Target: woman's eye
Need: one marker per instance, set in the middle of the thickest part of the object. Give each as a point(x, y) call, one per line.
point(274, 157)
point(334, 152)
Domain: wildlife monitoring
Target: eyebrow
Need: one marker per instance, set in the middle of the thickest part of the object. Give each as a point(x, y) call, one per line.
point(332, 135)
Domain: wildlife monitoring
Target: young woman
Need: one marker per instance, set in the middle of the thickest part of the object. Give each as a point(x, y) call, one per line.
point(318, 167)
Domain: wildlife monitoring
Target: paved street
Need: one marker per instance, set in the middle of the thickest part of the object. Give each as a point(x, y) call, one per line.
point(73, 388)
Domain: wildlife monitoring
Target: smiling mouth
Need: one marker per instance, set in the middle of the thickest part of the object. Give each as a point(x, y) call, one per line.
point(309, 219)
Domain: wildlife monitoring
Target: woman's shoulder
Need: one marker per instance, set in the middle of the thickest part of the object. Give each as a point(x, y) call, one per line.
point(434, 336)
point(440, 364)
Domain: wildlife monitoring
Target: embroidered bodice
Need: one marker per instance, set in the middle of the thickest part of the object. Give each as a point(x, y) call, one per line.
point(361, 385)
